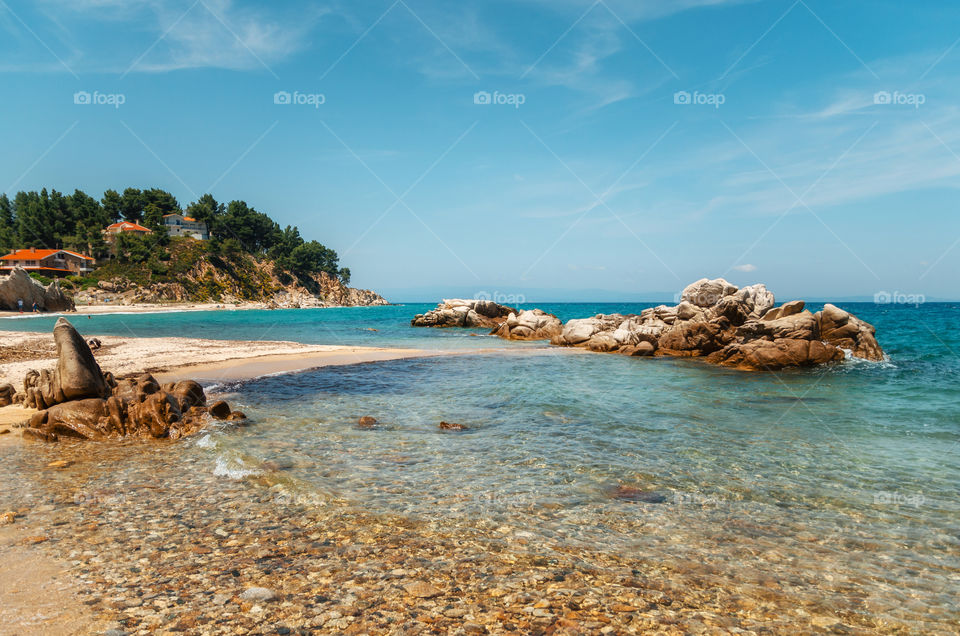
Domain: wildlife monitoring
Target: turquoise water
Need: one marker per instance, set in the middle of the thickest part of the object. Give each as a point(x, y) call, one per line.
point(842, 480)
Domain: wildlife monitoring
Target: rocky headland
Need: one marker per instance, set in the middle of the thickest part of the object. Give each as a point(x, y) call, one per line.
point(715, 321)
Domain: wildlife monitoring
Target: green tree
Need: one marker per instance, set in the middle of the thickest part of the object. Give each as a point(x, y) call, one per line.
point(131, 205)
point(256, 231)
point(345, 275)
point(312, 258)
point(7, 228)
point(163, 200)
point(112, 202)
point(206, 209)
point(89, 219)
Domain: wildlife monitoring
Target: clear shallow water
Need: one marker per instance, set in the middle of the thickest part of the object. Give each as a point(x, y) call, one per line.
point(840, 482)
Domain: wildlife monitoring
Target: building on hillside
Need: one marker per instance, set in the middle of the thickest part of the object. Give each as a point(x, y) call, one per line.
point(47, 262)
point(179, 225)
point(124, 227)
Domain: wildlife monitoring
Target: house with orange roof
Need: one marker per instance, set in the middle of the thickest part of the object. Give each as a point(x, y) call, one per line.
point(47, 262)
point(180, 225)
point(124, 227)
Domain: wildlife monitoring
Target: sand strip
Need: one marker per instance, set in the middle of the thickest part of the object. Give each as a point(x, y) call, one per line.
point(22, 351)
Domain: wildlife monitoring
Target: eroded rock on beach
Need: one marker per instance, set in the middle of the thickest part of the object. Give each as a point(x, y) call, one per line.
point(458, 312)
point(77, 399)
point(18, 285)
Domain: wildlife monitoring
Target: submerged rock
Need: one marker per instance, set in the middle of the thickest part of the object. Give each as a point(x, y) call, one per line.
point(458, 312)
point(637, 495)
point(452, 426)
point(367, 422)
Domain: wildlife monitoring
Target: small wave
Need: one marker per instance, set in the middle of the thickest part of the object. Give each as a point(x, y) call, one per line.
point(232, 469)
point(206, 442)
point(855, 362)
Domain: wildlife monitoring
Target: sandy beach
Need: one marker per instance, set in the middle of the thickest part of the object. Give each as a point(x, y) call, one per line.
point(203, 360)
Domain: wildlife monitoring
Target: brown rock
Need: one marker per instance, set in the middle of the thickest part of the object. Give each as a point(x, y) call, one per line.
point(220, 410)
point(422, 589)
point(452, 426)
point(7, 393)
point(846, 331)
point(367, 422)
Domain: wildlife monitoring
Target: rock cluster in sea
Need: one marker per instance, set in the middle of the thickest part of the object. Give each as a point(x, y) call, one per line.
point(18, 285)
point(78, 400)
point(715, 321)
point(458, 312)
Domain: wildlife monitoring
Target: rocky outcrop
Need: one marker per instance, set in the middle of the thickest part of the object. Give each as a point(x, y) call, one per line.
point(844, 330)
point(78, 400)
point(530, 324)
point(729, 326)
point(76, 376)
point(19, 285)
point(458, 312)
point(248, 280)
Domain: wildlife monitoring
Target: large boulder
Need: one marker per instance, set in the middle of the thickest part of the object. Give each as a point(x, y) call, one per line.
point(773, 355)
point(530, 324)
point(7, 393)
point(19, 285)
point(707, 293)
point(844, 330)
point(458, 312)
point(76, 376)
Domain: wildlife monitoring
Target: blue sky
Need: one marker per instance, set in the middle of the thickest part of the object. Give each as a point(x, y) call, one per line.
point(783, 169)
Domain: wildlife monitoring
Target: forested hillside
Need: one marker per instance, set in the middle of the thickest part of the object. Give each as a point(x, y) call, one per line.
point(50, 219)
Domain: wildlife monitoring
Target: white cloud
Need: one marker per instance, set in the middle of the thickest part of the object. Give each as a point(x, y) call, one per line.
point(747, 267)
point(185, 34)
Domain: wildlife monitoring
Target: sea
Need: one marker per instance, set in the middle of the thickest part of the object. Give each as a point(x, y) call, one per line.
point(841, 482)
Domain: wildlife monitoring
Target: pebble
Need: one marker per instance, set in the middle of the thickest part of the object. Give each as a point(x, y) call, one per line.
point(258, 594)
point(420, 589)
point(61, 463)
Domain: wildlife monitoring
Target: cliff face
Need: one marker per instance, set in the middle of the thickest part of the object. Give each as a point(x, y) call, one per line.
point(214, 280)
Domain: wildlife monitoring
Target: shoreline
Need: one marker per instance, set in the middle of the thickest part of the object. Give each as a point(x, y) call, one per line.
point(169, 357)
point(163, 308)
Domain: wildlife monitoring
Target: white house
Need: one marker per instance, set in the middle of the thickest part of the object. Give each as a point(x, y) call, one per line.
point(179, 225)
